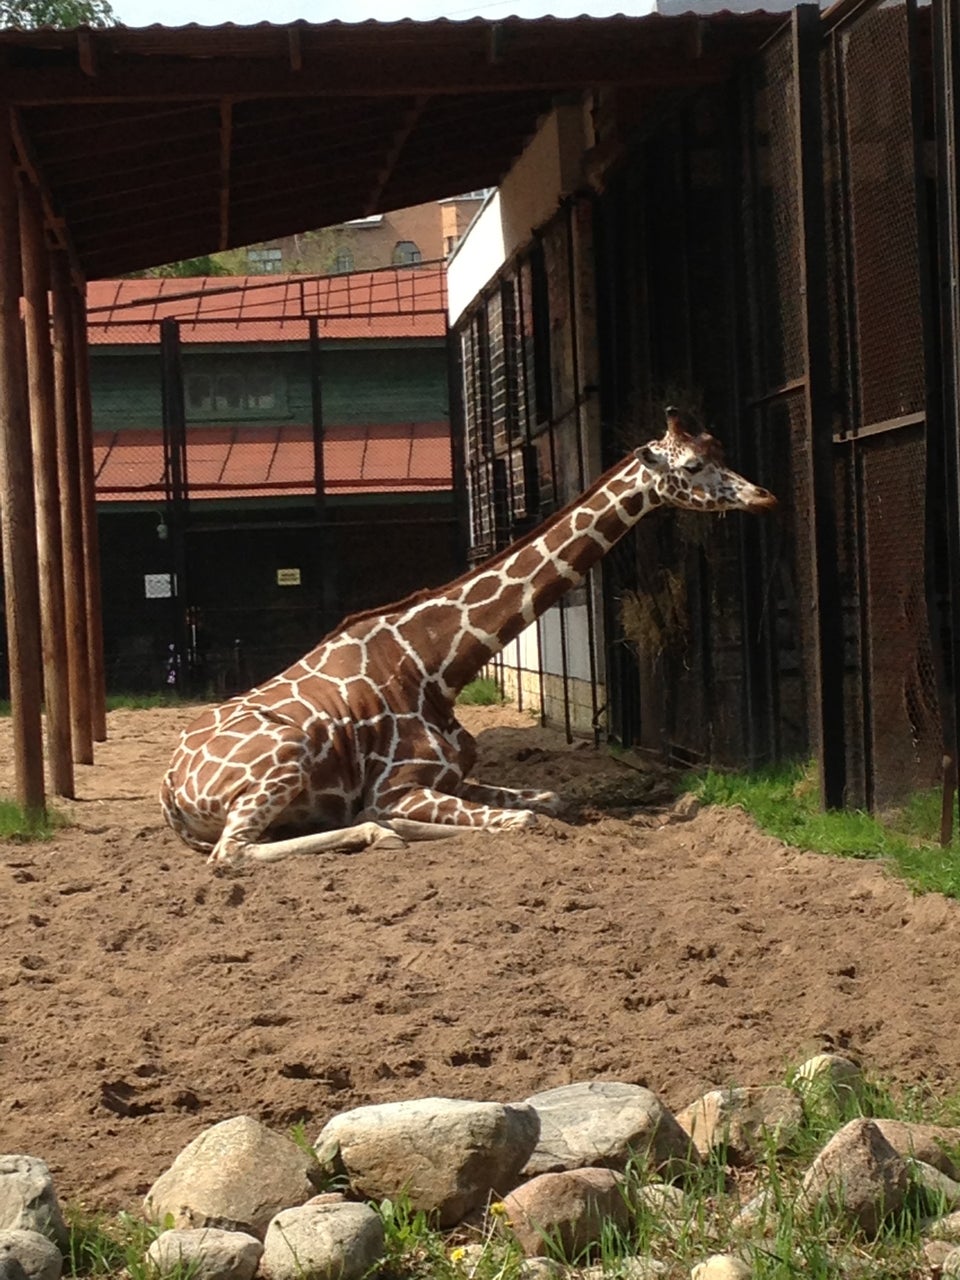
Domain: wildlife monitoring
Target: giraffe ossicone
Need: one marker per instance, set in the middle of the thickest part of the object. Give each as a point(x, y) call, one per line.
point(358, 744)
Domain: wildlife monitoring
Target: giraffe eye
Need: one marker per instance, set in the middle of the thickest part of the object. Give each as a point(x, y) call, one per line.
point(693, 464)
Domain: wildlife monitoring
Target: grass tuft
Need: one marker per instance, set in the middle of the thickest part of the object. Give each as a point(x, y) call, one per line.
point(20, 826)
point(480, 693)
point(784, 801)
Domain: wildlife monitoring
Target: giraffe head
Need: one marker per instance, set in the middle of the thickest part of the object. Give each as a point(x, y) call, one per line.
point(689, 471)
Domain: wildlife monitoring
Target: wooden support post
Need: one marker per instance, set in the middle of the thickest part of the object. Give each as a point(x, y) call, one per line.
point(17, 510)
point(43, 424)
point(91, 539)
point(68, 457)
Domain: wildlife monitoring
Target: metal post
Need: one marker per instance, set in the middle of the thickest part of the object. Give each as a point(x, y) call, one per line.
point(175, 477)
point(17, 510)
point(826, 606)
point(88, 502)
point(43, 424)
point(946, 25)
point(68, 458)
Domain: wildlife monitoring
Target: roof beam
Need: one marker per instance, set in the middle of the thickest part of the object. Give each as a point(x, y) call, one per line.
point(180, 80)
point(411, 119)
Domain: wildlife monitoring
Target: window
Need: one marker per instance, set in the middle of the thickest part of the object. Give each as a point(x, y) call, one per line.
point(406, 253)
point(265, 261)
point(343, 261)
point(231, 393)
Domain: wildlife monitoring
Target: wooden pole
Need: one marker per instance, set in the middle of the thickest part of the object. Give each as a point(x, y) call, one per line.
point(43, 424)
point(17, 512)
point(68, 458)
point(91, 539)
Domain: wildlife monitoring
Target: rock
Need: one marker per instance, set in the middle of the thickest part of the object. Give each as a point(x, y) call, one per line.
point(931, 1143)
point(235, 1175)
point(950, 1266)
point(629, 1268)
point(761, 1208)
point(566, 1210)
point(937, 1185)
point(721, 1266)
point(28, 1255)
point(935, 1252)
point(447, 1155)
point(663, 1199)
point(685, 807)
point(946, 1227)
point(601, 1124)
point(859, 1174)
point(540, 1268)
point(208, 1253)
point(743, 1121)
point(322, 1242)
point(830, 1073)
point(28, 1201)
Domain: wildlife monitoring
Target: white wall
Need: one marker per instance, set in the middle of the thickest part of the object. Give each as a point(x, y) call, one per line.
point(548, 169)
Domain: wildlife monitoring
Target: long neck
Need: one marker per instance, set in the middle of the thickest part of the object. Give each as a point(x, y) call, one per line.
point(457, 630)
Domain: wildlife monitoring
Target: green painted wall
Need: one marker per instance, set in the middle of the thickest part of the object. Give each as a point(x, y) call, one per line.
point(361, 384)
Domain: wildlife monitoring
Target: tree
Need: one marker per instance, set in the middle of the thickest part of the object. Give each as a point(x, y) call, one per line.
point(56, 13)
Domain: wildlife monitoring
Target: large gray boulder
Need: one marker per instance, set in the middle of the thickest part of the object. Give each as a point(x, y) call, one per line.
point(236, 1175)
point(28, 1201)
point(447, 1155)
point(206, 1253)
point(567, 1210)
point(28, 1255)
point(322, 1242)
point(601, 1124)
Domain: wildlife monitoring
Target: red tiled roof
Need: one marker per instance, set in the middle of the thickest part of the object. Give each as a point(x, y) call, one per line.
point(251, 462)
point(397, 302)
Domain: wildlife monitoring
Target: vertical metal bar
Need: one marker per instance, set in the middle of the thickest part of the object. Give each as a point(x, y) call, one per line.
point(17, 509)
point(91, 540)
point(946, 24)
point(574, 304)
point(175, 440)
point(851, 361)
point(826, 605)
point(458, 435)
point(43, 424)
point(316, 416)
point(68, 456)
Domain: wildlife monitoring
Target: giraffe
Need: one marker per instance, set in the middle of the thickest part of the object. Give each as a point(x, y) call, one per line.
point(357, 744)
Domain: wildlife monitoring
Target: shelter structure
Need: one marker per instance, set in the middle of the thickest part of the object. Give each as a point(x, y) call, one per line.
point(122, 148)
point(715, 209)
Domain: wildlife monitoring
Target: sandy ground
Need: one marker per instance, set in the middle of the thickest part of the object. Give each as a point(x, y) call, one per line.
point(144, 996)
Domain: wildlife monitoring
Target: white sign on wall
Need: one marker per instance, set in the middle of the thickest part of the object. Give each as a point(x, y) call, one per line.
point(288, 577)
point(158, 586)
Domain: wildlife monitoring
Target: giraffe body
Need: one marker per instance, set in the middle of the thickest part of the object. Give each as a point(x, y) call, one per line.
point(358, 744)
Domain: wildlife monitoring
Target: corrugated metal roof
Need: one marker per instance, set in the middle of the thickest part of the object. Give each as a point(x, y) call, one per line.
point(396, 302)
point(277, 461)
point(156, 144)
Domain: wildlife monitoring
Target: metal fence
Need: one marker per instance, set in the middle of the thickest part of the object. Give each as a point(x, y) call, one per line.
point(251, 468)
point(769, 256)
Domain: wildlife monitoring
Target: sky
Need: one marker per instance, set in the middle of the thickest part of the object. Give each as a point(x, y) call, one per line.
point(138, 13)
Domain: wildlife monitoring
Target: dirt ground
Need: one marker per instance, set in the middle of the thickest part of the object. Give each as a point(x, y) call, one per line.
point(144, 996)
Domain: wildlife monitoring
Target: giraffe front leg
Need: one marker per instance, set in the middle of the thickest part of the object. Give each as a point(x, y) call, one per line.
point(546, 802)
point(422, 813)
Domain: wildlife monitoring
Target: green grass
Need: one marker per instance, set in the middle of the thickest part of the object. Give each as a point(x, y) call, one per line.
point(784, 801)
point(480, 693)
point(145, 701)
point(17, 824)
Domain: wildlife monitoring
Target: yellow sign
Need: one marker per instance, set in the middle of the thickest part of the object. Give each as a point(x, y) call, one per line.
point(288, 577)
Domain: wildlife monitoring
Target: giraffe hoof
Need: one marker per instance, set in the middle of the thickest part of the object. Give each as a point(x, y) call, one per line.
point(519, 818)
point(546, 802)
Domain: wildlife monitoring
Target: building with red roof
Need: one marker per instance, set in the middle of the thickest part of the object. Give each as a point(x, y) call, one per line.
point(258, 443)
